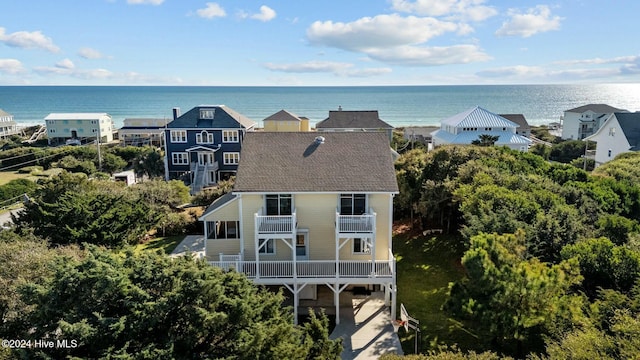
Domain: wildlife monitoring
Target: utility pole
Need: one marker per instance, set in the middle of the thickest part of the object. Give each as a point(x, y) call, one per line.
point(98, 142)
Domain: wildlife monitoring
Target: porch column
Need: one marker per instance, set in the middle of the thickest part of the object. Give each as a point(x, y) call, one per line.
point(257, 244)
point(337, 246)
point(336, 301)
point(293, 246)
point(387, 294)
point(373, 242)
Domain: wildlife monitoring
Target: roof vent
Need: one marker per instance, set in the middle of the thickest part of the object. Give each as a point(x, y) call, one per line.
point(319, 140)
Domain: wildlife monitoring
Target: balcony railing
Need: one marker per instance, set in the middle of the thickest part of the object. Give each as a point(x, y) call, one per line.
point(310, 268)
point(275, 224)
point(354, 224)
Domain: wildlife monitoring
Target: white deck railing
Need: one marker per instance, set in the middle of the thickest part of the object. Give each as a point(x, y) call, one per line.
point(275, 224)
point(310, 268)
point(364, 223)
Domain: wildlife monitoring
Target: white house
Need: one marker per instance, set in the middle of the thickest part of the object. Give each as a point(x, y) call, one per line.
point(310, 212)
point(7, 125)
point(79, 127)
point(467, 126)
point(585, 120)
point(620, 133)
point(142, 131)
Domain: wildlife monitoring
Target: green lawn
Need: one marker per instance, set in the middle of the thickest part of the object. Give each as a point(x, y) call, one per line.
point(6, 176)
point(426, 265)
point(167, 244)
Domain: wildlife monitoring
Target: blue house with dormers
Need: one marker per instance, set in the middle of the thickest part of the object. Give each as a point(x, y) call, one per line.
point(202, 146)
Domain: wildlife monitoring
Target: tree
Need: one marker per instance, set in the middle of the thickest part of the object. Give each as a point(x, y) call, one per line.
point(408, 173)
point(69, 208)
point(112, 163)
point(485, 140)
point(513, 301)
point(25, 259)
point(568, 150)
point(149, 163)
point(149, 306)
point(604, 264)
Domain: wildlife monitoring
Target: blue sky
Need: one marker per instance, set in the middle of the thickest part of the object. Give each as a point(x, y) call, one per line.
point(328, 42)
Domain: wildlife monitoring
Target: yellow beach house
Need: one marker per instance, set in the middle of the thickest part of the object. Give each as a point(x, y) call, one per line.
point(309, 212)
point(286, 121)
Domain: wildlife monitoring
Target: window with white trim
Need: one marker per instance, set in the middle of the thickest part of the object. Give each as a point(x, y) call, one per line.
point(180, 158)
point(361, 246)
point(278, 204)
point(207, 113)
point(268, 247)
point(204, 138)
point(353, 204)
point(178, 136)
point(229, 136)
point(223, 229)
point(231, 158)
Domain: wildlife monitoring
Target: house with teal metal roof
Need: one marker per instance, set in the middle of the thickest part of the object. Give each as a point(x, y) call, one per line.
point(467, 126)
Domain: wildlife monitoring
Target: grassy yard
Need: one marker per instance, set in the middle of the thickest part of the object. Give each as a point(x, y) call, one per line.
point(167, 244)
point(6, 176)
point(426, 265)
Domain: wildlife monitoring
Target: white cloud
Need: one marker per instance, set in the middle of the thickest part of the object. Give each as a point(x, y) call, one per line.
point(396, 39)
point(600, 61)
point(66, 64)
point(309, 67)
point(28, 40)
point(266, 14)
point(336, 68)
point(430, 56)
point(535, 20)
point(382, 31)
point(469, 10)
point(513, 71)
point(11, 66)
point(144, 2)
point(89, 53)
point(211, 11)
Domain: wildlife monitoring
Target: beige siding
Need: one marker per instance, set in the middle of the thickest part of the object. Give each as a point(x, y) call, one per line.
point(380, 204)
point(228, 212)
point(317, 212)
point(282, 125)
point(227, 247)
point(250, 205)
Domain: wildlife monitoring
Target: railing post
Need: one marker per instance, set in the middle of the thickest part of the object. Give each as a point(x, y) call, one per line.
point(257, 244)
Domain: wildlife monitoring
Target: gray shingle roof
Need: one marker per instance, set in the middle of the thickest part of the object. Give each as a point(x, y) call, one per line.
point(294, 162)
point(630, 125)
point(218, 203)
point(224, 117)
point(342, 119)
point(596, 108)
point(518, 119)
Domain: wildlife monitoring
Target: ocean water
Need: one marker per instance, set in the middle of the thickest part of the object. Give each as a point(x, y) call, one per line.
point(397, 105)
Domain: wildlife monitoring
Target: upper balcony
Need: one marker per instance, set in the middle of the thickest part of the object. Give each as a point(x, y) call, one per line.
point(356, 224)
point(276, 224)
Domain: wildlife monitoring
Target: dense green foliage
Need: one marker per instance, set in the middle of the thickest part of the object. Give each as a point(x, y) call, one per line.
point(15, 188)
point(512, 301)
point(544, 242)
point(149, 306)
point(145, 160)
point(71, 209)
